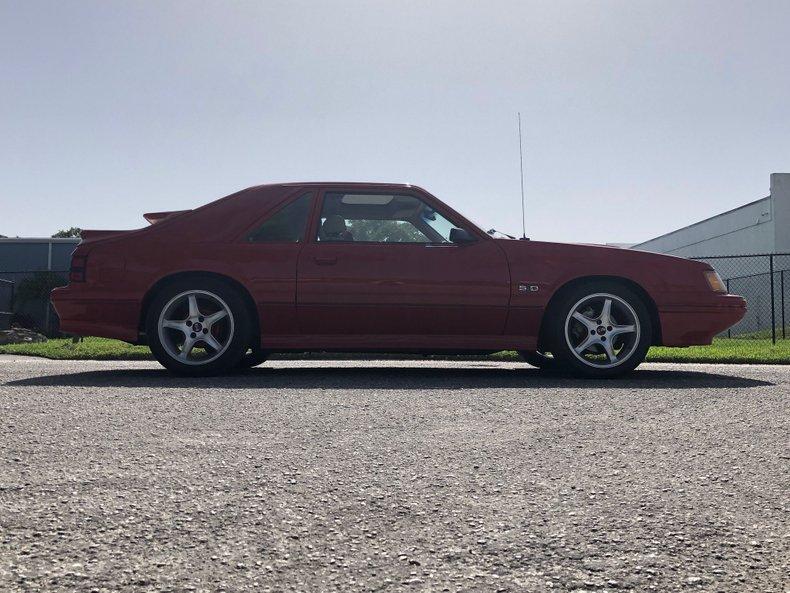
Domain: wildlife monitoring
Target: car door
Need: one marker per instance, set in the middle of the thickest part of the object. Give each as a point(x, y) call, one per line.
point(266, 257)
point(383, 264)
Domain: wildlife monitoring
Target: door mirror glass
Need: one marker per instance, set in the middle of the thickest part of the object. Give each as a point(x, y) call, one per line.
point(461, 236)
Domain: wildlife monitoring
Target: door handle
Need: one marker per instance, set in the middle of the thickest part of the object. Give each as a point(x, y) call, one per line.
point(325, 261)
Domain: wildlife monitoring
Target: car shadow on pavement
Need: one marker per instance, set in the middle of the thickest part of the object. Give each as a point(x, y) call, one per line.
point(389, 377)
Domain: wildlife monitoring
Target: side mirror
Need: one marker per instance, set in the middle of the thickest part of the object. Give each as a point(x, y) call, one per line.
point(461, 236)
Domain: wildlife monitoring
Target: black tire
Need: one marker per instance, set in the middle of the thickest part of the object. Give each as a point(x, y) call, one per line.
point(638, 345)
point(237, 341)
point(253, 358)
point(541, 361)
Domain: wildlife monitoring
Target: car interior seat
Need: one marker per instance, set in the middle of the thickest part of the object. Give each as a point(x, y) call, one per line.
point(334, 229)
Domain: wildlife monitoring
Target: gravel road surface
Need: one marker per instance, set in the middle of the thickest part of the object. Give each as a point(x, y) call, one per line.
point(392, 476)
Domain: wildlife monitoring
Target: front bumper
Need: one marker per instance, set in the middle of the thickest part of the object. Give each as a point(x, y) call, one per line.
point(94, 315)
point(696, 325)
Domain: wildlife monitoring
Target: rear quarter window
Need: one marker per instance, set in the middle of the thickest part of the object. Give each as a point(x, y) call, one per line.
point(287, 225)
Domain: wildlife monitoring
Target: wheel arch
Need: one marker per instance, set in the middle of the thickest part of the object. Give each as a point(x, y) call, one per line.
point(650, 304)
point(197, 274)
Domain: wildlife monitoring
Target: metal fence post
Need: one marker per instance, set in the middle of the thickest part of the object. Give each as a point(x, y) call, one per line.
point(782, 301)
point(47, 306)
point(729, 329)
point(773, 299)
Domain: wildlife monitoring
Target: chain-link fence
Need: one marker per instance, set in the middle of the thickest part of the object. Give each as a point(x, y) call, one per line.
point(6, 303)
point(33, 267)
point(764, 281)
point(28, 298)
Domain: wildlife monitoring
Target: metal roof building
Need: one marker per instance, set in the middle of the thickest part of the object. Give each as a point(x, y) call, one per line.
point(761, 226)
point(24, 256)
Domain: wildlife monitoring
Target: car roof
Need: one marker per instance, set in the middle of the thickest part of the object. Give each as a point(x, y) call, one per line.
point(342, 184)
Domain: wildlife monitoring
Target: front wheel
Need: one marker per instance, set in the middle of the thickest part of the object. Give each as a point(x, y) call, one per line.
point(198, 327)
point(599, 329)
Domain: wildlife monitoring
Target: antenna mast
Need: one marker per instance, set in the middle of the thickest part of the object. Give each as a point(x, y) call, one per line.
point(521, 163)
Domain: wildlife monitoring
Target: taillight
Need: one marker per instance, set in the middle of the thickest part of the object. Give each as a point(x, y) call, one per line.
point(79, 264)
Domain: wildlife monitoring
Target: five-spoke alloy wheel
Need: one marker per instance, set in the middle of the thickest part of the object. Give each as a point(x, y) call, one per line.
point(198, 327)
point(195, 327)
point(599, 329)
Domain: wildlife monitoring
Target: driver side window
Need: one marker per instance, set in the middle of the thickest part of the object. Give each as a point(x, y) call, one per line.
point(381, 218)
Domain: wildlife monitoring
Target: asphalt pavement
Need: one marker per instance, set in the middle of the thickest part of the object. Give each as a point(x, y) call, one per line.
point(392, 476)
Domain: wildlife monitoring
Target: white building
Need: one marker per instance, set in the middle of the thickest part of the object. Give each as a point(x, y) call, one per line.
point(759, 227)
point(762, 226)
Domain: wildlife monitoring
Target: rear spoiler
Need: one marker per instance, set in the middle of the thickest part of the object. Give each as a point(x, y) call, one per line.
point(154, 217)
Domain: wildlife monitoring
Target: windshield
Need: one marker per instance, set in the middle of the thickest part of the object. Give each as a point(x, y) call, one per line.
point(498, 234)
point(492, 232)
point(438, 223)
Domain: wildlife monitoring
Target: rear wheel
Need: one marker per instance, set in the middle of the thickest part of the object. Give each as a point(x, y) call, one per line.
point(599, 329)
point(198, 327)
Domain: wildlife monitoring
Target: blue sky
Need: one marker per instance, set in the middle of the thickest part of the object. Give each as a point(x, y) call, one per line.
point(639, 117)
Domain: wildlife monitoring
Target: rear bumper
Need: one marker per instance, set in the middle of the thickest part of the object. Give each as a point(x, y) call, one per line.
point(89, 315)
point(696, 325)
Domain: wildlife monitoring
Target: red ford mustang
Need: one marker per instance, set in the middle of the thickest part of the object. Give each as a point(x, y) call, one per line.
point(377, 268)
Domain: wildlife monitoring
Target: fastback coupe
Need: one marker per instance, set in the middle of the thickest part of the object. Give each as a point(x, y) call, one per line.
point(369, 267)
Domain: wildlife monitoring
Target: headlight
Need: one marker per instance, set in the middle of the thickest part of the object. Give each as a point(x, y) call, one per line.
point(715, 282)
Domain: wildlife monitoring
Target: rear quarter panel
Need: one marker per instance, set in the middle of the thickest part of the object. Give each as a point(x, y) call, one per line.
point(123, 269)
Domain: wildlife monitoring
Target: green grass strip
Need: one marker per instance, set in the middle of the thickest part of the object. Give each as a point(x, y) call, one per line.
point(87, 349)
point(722, 351)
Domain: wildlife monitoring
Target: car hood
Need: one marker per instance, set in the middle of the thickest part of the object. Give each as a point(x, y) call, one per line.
point(554, 264)
point(591, 251)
